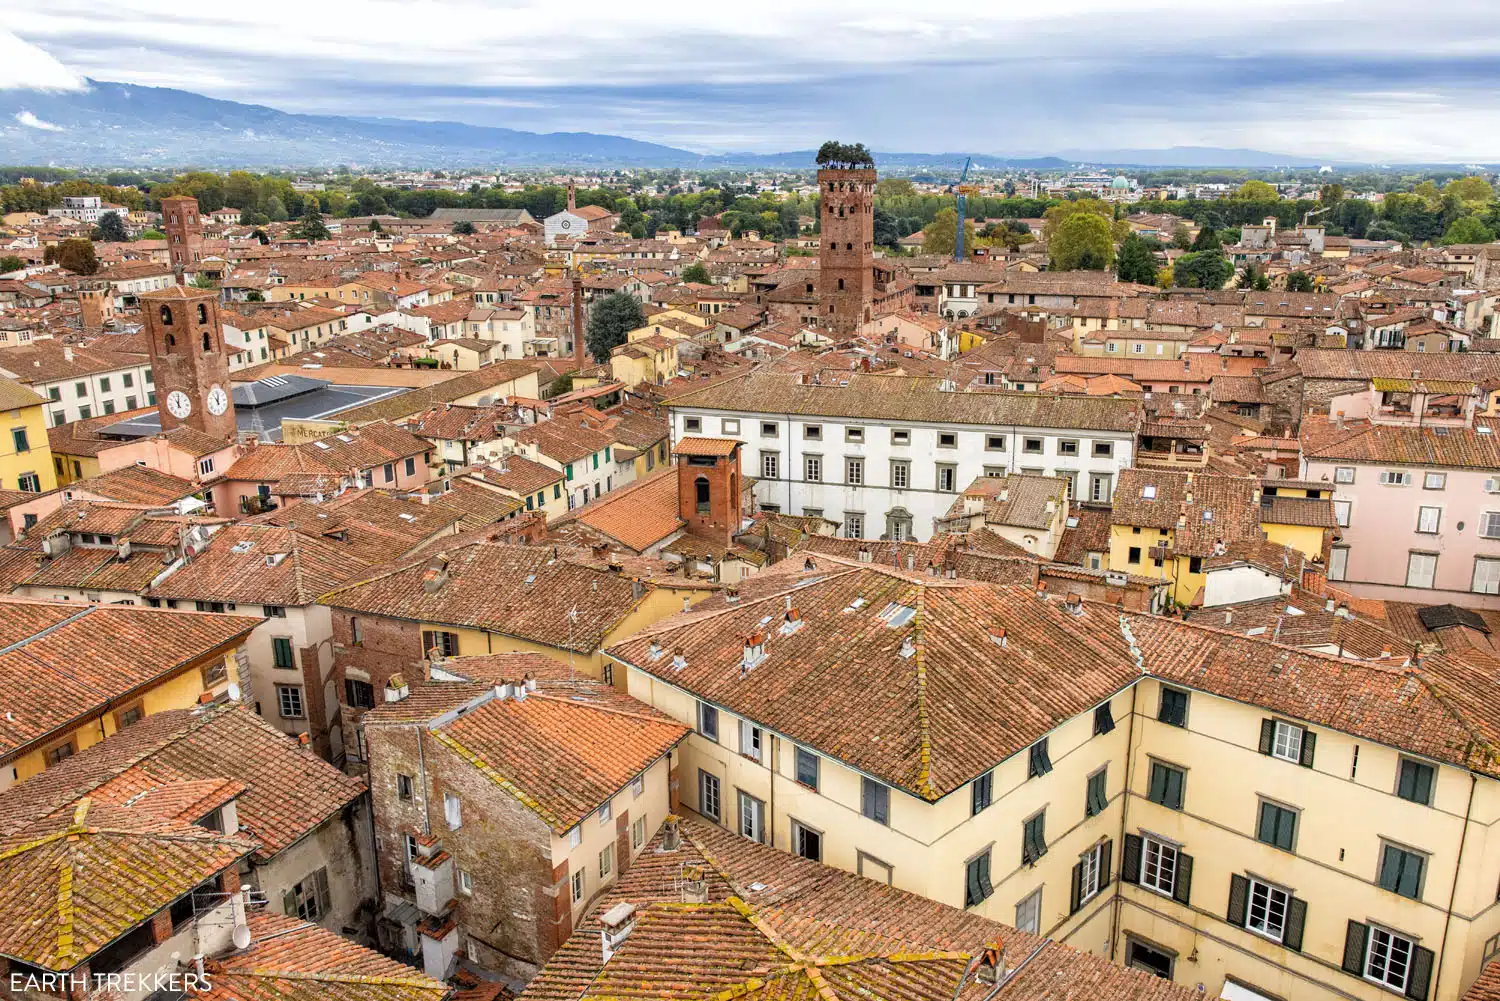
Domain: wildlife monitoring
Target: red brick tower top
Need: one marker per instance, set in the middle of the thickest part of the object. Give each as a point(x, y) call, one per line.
point(184, 228)
point(846, 259)
point(189, 365)
point(709, 486)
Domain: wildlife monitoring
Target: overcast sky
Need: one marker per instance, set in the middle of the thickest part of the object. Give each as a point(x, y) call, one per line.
point(1365, 79)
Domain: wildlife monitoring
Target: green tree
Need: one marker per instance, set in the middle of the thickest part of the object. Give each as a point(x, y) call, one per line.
point(1136, 262)
point(1470, 189)
point(611, 319)
point(1331, 194)
point(375, 226)
point(1182, 237)
point(1299, 281)
point(311, 226)
point(255, 295)
point(1256, 191)
point(895, 187)
point(75, 255)
point(1253, 278)
point(1206, 269)
point(1468, 229)
point(938, 236)
point(273, 208)
point(153, 234)
point(1055, 216)
point(1207, 239)
point(111, 229)
point(9, 263)
point(463, 229)
point(696, 272)
point(1081, 243)
point(203, 281)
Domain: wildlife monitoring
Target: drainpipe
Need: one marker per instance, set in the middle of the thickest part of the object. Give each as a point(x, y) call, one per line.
point(1119, 904)
point(1453, 892)
point(771, 810)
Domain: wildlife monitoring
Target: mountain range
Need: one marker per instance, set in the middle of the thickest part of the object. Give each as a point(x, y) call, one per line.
point(118, 124)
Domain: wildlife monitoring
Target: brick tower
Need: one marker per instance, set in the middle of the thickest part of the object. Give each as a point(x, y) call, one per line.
point(188, 363)
point(96, 305)
point(184, 228)
point(846, 259)
point(708, 487)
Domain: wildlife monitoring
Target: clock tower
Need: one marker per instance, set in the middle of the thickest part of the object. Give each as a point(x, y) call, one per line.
point(188, 363)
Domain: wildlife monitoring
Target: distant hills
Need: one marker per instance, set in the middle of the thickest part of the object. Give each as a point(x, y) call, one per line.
point(118, 124)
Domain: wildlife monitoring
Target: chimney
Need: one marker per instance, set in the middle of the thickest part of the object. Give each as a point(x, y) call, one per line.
point(67, 353)
point(396, 689)
point(671, 833)
point(998, 635)
point(618, 922)
point(991, 968)
point(864, 553)
point(655, 651)
point(679, 660)
point(1329, 605)
point(908, 648)
point(1074, 603)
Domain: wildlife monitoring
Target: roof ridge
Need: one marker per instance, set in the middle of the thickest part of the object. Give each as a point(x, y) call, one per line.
point(600, 707)
point(924, 719)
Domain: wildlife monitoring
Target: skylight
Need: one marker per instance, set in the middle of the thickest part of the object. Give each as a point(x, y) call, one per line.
point(895, 616)
point(1149, 491)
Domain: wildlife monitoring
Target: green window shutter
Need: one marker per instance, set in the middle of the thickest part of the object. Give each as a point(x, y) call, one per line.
point(1239, 894)
point(1182, 887)
point(1267, 735)
point(1104, 860)
point(1390, 868)
point(1130, 860)
point(1419, 981)
point(1296, 921)
point(1309, 742)
point(1355, 940)
point(1076, 894)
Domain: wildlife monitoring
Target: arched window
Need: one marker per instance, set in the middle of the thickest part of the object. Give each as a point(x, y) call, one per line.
point(208, 344)
point(171, 341)
point(701, 492)
point(202, 312)
point(848, 246)
point(166, 316)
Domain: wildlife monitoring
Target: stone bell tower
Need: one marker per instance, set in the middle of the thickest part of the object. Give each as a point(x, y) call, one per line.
point(846, 257)
point(189, 365)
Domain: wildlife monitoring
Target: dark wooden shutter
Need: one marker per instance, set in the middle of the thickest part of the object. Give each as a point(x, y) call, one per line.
point(1420, 978)
point(1075, 900)
point(1267, 735)
point(1355, 940)
point(1239, 893)
point(1104, 863)
point(289, 903)
point(1130, 860)
point(1296, 920)
point(1309, 742)
point(1182, 886)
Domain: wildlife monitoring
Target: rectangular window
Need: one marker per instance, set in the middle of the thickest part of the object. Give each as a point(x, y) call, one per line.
point(309, 899)
point(769, 429)
point(605, 812)
point(1067, 446)
point(638, 832)
point(403, 787)
point(575, 836)
point(1032, 446)
point(947, 478)
point(1104, 719)
point(807, 842)
point(708, 795)
point(947, 439)
point(1389, 959)
point(1266, 909)
point(994, 442)
point(812, 432)
point(752, 818)
point(19, 440)
point(692, 425)
point(1414, 781)
point(289, 701)
point(607, 861)
point(1101, 486)
point(981, 793)
point(281, 652)
point(854, 525)
point(1133, 555)
point(1103, 449)
point(900, 474)
point(874, 800)
point(1173, 707)
point(466, 882)
point(1040, 762)
point(977, 886)
point(59, 753)
point(1486, 576)
point(708, 721)
point(856, 435)
point(1034, 838)
point(1159, 866)
point(80, 389)
point(1166, 785)
point(1029, 913)
point(439, 642)
point(807, 768)
point(1395, 478)
point(752, 741)
point(854, 472)
point(1421, 568)
point(1428, 519)
point(1277, 826)
point(1434, 481)
point(1343, 474)
point(1489, 524)
point(1401, 871)
point(900, 436)
point(453, 811)
point(770, 465)
point(1096, 798)
point(85, 412)
point(1341, 511)
point(411, 466)
point(359, 694)
point(1091, 874)
point(813, 468)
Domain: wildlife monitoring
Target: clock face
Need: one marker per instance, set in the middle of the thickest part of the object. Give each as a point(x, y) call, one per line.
point(178, 404)
point(218, 400)
point(565, 224)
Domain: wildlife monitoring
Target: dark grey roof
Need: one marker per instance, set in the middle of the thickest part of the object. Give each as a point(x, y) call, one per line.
point(1444, 616)
point(273, 388)
point(506, 217)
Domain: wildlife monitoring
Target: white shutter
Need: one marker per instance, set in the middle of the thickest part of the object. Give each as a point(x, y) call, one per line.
point(1489, 524)
point(1427, 519)
point(1338, 563)
point(1420, 568)
point(1486, 576)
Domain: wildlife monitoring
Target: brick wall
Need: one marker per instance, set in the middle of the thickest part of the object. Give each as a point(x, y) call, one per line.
point(846, 258)
point(389, 646)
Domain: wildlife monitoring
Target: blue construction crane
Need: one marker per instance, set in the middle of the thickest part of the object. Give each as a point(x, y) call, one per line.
point(963, 190)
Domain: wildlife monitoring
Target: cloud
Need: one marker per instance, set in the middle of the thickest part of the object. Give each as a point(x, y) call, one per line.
point(23, 65)
point(31, 121)
point(1304, 77)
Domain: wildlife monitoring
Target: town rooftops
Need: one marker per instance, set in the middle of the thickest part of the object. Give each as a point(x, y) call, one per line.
point(705, 446)
point(908, 400)
point(260, 563)
point(1397, 445)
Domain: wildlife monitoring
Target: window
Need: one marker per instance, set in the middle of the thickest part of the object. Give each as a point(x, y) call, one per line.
point(1434, 481)
point(309, 899)
point(1287, 741)
point(947, 439)
point(900, 436)
point(994, 442)
point(605, 813)
point(403, 787)
point(1486, 576)
point(637, 786)
point(1343, 474)
point(1101, 486)
point(575, 836)
point(1090, 875)
point(947, 478)
point(874, 800)
point(1420, 569)
point(1414, 781)
point(854, 525)
point(752, 741)
point(1067, 446)
point(813, 468)
point(1173, 708)
point(1166, 785)
point(453, 811)
point(289, 699)
point(752, 818)
point(1104, 720)
point(444, 643)
point(900, 474)
point(1103, 449)
point(807, 768)
point(856, 435)
point(1341, 509)
point(1489, 524)
point(281, 652)
point(708, 795)
point(1029, 913)
point(977, 886)
point(770, 465)
point(769, 429)
point(577, 886)
point(812, 432)
point(411, 466)
point(898, 524)
point(1395, 478)
point(80, 389)
point(807, 842)
point(1388, 958)
point(466, 882)
point(1096, 794)
point(1277, 827)
point(1267, 910)
point(607, 861)
point(85, 412)
point(19, 440)
point(1157, 865)
point(1401, 871)
point(1428, 519)
point(273, 611)
point(1034, 838)
point(131, 716)
point(1040, 763)
point(692, 425)
point(29, 483)
point(59, 753)
point(638, 832)
point(1133, 555)
point(708, 721)
point(854, 472)
point(1031, 446)
point(981, 793)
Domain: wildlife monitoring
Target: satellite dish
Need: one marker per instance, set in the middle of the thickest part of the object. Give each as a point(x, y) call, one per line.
point(234, 694)
point(241, 936)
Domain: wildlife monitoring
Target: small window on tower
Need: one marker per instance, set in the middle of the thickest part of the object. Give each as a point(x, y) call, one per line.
point(207, 343)
point(166, 316)
point(202, 313)
point(841, 284)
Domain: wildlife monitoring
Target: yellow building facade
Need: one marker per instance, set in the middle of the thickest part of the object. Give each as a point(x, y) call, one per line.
point(25, 457)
